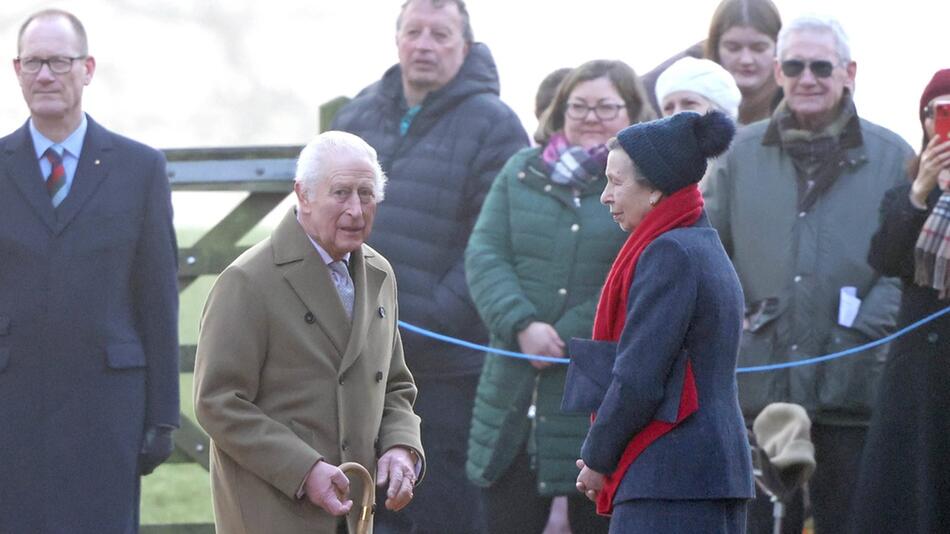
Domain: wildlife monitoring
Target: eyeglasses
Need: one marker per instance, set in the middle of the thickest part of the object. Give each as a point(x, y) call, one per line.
point(794, 67)
point(56, 64)
point(603, 111)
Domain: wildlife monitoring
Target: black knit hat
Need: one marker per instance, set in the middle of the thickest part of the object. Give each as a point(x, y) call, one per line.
point(672, 152)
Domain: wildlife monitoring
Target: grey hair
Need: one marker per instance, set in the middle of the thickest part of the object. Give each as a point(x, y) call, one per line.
point(816, 23)
point(319, 153)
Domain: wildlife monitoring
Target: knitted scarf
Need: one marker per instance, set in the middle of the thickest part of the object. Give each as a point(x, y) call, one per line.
point(932, 252)
point(572, 165)
point(679, 210)
point(819, 157)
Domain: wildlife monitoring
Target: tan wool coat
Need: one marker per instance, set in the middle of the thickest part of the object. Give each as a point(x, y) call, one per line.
point(283, 379)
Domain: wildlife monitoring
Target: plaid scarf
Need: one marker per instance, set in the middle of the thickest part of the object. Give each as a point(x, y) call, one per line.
point(572, 165)
point(819, 157)
point(932, 253)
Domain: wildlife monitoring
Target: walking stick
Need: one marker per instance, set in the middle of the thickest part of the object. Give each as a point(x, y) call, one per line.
point(369, 495)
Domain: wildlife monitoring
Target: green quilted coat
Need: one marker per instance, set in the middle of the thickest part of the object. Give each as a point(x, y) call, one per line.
point(539, 252)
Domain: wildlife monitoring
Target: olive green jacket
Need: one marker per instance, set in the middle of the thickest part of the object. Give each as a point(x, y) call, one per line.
point(793, 264)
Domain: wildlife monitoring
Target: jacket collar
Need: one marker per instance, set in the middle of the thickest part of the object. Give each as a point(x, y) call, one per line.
point(478, 74)
point(782, 118)
point(309, 278)
point(94, 164)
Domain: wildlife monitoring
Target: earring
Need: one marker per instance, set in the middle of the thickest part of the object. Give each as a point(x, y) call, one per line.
point(653, 202)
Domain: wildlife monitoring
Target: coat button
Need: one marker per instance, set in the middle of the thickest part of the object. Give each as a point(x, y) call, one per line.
point(382, 311)
point(547, 188)
point(344, 445)
point(309, 318)
point(521, 175)
point(379, 376)
point(341, 380)
point(932, 337)
point(562, 291)
point(575, 227)
point(798, 278)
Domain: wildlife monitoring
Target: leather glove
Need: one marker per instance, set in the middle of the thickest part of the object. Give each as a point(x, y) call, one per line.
point(156, 447)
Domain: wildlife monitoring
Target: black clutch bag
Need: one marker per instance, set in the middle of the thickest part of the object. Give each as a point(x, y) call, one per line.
point(588, 375)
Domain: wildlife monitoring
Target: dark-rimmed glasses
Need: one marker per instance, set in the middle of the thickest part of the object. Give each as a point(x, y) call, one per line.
point(603, 110)
point(794, 67)
point(56, 64)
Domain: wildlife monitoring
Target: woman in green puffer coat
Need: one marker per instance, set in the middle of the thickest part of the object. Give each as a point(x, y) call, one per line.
point(535, 265)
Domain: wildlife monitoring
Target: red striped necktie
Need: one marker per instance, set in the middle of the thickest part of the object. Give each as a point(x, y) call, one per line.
point(57, 175)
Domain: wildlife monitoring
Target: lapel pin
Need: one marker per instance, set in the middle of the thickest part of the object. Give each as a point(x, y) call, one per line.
point(382, 312)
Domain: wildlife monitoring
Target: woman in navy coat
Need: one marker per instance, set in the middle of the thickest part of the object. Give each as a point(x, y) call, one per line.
point(667, 449)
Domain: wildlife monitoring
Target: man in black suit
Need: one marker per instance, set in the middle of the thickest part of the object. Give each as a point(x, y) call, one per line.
point(88, 302)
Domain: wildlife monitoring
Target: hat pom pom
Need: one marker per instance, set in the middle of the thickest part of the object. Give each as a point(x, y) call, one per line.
point(714, 132)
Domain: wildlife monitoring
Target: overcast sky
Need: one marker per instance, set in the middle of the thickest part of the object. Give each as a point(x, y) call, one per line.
point(251, 72)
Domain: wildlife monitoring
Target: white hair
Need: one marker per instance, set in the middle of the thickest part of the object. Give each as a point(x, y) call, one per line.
point(815, 23)
point(317, 157)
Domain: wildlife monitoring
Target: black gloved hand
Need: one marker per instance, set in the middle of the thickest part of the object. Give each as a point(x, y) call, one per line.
point(156, 447)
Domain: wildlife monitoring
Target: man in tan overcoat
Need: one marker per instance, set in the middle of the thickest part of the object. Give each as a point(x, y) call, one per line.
point(300, 365)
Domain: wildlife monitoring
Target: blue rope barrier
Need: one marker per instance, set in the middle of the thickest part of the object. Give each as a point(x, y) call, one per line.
point(757, 369)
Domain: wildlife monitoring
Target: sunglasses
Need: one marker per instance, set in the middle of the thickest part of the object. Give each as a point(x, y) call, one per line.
point(794, 67)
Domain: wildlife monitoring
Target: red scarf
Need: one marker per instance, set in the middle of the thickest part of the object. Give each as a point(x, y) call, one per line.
point(678, 210)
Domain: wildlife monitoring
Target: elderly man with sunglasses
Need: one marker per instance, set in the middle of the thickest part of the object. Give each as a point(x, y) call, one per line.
point(795, 203)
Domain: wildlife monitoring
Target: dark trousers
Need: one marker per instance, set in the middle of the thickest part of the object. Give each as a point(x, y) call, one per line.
point(513, 506)
point(838, 456)
point(700, 516)
point(445, 501)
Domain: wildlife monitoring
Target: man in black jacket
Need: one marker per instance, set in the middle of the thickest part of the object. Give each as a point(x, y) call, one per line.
point(442, 134)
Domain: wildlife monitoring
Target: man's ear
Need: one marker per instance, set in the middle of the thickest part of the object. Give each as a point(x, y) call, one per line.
point(777, 72)
point(301, 192)
point(90, 65)
point(852, 70)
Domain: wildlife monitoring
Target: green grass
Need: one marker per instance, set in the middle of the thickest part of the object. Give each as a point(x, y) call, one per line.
point(180, 492)
point(176, 493)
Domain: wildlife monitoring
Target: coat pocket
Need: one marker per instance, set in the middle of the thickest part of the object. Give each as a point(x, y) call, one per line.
point(757, 347)
point(125, 355)
point(848, 385)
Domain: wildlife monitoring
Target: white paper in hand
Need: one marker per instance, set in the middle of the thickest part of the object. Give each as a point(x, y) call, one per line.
point(848, 306)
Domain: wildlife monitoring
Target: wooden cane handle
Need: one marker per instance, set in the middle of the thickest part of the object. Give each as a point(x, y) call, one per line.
point(369, 494)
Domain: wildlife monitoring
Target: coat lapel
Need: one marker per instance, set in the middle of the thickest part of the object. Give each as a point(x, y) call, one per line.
point(94, 164)
point(310, 279)
point(23, 169)
point(367, 281)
